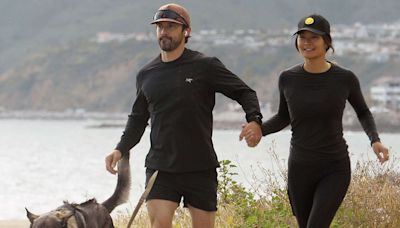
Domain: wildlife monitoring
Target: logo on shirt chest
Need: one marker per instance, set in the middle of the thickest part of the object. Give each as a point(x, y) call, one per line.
point(189, 80)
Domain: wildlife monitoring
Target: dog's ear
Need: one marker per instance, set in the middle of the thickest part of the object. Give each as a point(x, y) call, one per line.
point(31, 216)
point(63, 213)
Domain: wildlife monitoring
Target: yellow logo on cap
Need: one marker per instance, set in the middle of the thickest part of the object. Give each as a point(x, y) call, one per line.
point(309, 21)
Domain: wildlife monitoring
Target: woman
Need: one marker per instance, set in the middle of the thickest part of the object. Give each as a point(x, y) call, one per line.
point(312, 99)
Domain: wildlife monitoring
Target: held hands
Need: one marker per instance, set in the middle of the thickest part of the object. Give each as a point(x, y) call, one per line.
point(251, 132)
point(111, 161)
point(381, 151)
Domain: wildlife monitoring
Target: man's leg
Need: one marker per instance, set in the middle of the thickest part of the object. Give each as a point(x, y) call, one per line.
point(201, 218)
point(161, 212)
point(200, 197)
point(163, 199)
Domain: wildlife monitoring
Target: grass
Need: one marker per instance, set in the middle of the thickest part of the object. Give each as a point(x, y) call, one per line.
point(373, 199)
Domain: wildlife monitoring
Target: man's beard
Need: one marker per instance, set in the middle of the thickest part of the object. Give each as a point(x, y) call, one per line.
point(168, 44)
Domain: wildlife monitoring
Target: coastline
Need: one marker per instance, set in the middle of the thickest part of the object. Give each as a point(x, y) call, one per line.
point(225, 120)
point(236, 125)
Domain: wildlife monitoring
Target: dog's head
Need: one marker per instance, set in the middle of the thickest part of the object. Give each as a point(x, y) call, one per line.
point(60, 218)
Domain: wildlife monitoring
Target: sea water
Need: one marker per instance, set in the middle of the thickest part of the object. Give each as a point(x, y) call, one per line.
point(44, 162)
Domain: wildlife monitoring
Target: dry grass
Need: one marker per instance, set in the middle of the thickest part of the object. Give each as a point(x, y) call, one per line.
point(226, 217)
point(373, 200)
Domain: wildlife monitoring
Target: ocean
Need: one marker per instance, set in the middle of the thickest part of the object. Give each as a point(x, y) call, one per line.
point(44, 162)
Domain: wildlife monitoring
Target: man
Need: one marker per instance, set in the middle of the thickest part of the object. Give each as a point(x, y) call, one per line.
point(177, 92)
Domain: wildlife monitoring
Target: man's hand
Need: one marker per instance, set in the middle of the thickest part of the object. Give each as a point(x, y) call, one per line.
point(251, 132)
point(112, 160)
point(381, 151)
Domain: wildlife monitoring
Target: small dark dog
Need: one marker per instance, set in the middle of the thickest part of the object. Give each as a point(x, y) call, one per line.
point(89, 214)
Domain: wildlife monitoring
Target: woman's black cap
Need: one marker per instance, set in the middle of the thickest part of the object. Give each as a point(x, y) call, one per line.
point(314, 23)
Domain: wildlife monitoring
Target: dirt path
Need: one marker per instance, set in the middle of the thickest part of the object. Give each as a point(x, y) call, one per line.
point(14, 223)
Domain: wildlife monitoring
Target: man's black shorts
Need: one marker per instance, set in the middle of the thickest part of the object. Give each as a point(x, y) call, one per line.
point(198, 189)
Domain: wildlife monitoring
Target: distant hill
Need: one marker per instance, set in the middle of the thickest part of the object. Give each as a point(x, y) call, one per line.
point(28, 26)
point(47, 61)
point(101, 77)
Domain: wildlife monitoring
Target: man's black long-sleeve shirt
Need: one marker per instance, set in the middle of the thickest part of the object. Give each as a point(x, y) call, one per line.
point(179, 97)
point(313, 105)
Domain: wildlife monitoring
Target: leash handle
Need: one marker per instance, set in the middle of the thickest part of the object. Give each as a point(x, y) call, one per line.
point(143, 197)
point(135, 212)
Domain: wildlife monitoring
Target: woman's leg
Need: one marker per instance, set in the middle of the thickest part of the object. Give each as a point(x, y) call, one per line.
point(302, 180)
point(329, 194)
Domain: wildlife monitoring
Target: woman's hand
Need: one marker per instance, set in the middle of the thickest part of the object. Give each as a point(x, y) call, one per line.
point(381, 151)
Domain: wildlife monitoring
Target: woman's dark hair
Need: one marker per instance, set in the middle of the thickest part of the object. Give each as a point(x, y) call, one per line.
point(327, 39)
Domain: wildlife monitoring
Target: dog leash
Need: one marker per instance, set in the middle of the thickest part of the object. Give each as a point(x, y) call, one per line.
point(143, 197)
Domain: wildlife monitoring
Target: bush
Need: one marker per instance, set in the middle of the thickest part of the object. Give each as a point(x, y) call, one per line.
point(373, 200)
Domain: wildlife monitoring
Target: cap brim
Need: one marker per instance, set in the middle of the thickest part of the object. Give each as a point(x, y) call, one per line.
point(310, 30)
point(166, 19)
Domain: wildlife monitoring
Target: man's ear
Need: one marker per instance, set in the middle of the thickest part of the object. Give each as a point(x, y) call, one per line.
point(187, 32)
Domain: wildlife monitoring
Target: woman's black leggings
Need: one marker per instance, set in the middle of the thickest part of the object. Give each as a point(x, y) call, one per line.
point(316, 190)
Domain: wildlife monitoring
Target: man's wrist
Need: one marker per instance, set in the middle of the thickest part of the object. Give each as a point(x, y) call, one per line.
point(256, 118)
point(375, 139)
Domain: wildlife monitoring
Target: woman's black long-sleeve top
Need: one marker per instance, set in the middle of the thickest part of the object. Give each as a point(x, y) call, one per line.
point(313, 105)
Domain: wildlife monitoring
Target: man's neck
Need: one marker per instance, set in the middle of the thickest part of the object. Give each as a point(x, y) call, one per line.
point(172, 55)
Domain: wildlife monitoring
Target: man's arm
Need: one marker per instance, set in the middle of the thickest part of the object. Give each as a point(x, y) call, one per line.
point(134, 129)
point(227, 83)
point(136, 124)
point(276, 123)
